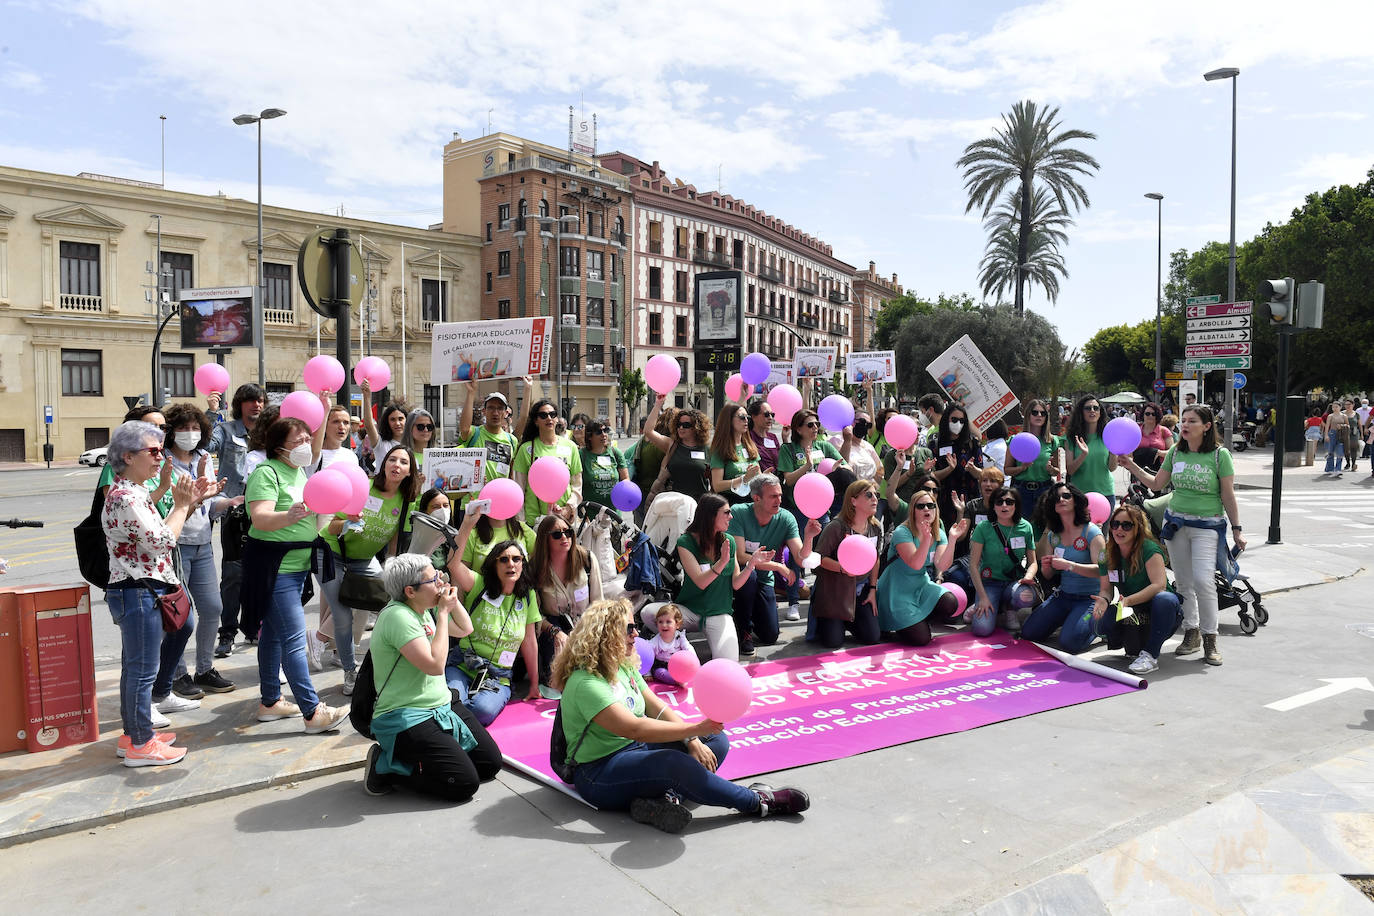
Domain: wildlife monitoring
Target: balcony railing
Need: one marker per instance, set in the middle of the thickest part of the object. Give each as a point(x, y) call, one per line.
point(555, 165)
point(73, 302)
point(836, 296)
point(807, 321)
point(283, 316)
point(707, 256)
point(619, 238)
point(810, 289)
point(837, 327)
point(772, 274)
point(680, 251)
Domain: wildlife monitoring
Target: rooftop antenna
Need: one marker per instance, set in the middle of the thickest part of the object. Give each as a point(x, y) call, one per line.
point(163, 120)
point(489, 111)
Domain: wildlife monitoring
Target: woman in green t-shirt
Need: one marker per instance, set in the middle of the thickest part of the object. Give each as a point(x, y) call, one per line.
point(712, 575)
point(424, 739)
point(540, 440)
point(1031, 479)
point(603, 466)
point(630, 750)
point(1001, 554)
point(1133, 566)
point(356, 540)
point(1090, 465)
point(734, 457)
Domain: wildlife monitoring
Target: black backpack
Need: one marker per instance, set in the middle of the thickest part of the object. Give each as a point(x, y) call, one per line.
point(365, 694)
point(92, 551)
point(560, 757)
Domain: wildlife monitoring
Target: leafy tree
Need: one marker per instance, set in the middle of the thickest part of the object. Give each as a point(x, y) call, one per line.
point(1029, 151)
point(897, 311)
point(631, 388)
point(1123, 354)
point(1043, 263)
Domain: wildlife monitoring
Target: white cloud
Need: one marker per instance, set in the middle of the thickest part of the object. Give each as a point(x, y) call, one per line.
point(1327, 169)
point(20, 79)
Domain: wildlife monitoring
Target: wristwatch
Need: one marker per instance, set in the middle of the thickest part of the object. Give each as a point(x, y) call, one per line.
point(1237, 528)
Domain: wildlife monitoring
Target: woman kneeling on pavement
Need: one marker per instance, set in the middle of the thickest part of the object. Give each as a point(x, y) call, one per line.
point(426, 738)
point(842, 601)
point(631, 750)
point(712, 574)
point(1070, 548)
point(920, 552)
point(1134, 566)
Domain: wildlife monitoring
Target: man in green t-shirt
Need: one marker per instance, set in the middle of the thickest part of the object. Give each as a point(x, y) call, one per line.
point(492, 436)
point(761, 524)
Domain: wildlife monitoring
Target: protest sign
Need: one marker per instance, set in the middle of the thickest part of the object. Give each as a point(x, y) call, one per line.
point(969, 379)
point(813, 362)
point(781, 375)
point(480, 350)
point(455, 470)
point(876, 366)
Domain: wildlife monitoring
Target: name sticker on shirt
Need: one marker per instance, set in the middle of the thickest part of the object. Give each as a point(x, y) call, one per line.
point(705, 567)
point(946, 450)
point(1179, 466)
point(506, 659)
point(581, 594)
point(1114, 576)
point(604, 460)
point(979, 519)
point(770, 443)
point(751, 546)
point(1018, 542)
point(1059, 552)
point(698, 456)
point(373, 504)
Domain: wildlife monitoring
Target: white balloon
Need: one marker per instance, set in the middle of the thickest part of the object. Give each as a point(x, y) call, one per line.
point(812, 561)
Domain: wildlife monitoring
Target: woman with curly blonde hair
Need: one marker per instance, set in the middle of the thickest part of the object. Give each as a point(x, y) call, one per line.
point(632, 751)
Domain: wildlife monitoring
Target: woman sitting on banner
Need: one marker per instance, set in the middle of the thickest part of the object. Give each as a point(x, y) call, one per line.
point(1149, 612)
point(1090, 465)
point(1031, 479)
point(631, 751)
point(842, 600)
point(908, 596)
point(141, 543)
point(734, 457)
point(540, 439)
point(426, 739)
point(958, 461)
point(1069, 549)
point(357, 540)
point(603, 465)
point(1001, 557)
point(711, 574)
point(686, 467)
point(567, 579)
point(504, 607)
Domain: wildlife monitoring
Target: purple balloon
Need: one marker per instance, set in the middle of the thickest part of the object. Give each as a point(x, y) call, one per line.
point(626, 496)
point(1025, 448)
point(755, 368)
point(1121, 436)
point(836, 412)
point(646, 655)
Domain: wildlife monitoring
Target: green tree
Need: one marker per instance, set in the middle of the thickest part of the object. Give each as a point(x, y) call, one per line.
point(1043, 264)
point(1123, 354)
point(1029, 151)
point(631, 388)
point(899, 310)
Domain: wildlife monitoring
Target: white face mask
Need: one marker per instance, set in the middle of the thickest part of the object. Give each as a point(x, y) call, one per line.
point(300, 455)
point(186, 441)
point(956, 427)
point(441, 515)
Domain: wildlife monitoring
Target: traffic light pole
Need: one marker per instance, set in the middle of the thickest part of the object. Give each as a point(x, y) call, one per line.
point(1280, 433)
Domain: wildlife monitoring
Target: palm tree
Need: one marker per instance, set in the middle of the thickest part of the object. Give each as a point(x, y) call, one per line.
point(1002, 261)
point(1030, 146)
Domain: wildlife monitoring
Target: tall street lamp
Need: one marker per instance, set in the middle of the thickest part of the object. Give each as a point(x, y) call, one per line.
point(1159, 279)
point(1230, 73)
point(266, 114)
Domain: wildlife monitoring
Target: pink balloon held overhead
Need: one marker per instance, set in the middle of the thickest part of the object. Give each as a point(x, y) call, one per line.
point(813, 494)
point(723, 690)
point(375, 370)
point(303, 406)
point(662, 373)
point(900, 431)
point(324, 373)
point(734, 387)
point(785, 401)
point(211, 378)
point(507, 499)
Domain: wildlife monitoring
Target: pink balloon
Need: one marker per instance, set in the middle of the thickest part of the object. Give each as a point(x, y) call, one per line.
point(813, 494)
point(1098, 508)
point(785, 401)
point(857, 555)
point(549, 478)
point(211, 378)
point(304, 406)
point(960, 596)
point(324, 373)
point(826, 466)
point(327, 492)
point(662, 373)
point(683, 666)
point(358, 480)
point(723, 690)
point(901, 431)
point(734, 386)
point(375, 370)
point(507, 499)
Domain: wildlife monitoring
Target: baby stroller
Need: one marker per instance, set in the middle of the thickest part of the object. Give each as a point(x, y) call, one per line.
point(1234, 588)
point(665, 521)
point(630, 565)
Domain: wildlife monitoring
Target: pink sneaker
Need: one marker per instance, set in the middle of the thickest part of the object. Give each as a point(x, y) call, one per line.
point(153, 754)
point(125, 742)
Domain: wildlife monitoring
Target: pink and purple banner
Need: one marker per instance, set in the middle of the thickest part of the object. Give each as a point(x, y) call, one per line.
point(823, 707)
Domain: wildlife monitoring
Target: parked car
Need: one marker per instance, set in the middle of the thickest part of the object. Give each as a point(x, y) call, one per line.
point(95, 457)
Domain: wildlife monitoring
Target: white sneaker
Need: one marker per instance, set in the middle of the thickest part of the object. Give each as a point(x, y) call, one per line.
point(371, 619)
point(333, 659)
point(326, 718)
point(1144, 663)
point(159, 720)
point(314, 650)
point(794, 612)
point(350, 679)
point(174, 704)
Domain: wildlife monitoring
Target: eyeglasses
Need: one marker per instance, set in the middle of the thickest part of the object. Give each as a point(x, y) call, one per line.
point(435, 579)
point(156, 451)
point(578, 426)
point(742, 416)
point(1093, 407)
point(547, 415)
point(688, 424)
point(1039, 413)
point(1151, 413)
point(631, 629)
point(559, 534)
point(425, 427)
point(1121, 524)
point(1004, 501)
point(511, 559)
point(767, 413)
point(811, 424)
point(957, 419)
point(925, 507)
point(872, 494)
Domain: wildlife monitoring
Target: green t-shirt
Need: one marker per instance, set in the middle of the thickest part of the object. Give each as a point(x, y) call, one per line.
point(163, 505)
point(717, 597)
point(1196, 477)
point(791, 456)
point(498, 624)
point(284, 485)
point(736, 466)
point(1092, 475)
point(585, 695)
point(600, 474)
point(1001, 564)
point(744, 525)
point(1132, 582)
point(1039, 471)
point(381, 516)
point(406, 685)
point(476, 551)
point(566, 451)
point(500, 448)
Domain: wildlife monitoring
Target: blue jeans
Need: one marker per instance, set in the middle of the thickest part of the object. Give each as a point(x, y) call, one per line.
point(1070, 614)
point(140, 635)
point(1030, 497)
point(486, 704)
point(201, 580)
point(649, 770)
point(999, 593)
point(342, 614)
point(756, 611)
point(1335, 452)
point(173, 647)
point(281, 647)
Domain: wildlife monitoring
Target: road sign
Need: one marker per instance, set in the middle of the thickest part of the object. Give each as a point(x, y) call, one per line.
point(1209, 337)
point(1175, 376)
point(1207, 364)
point(1221, 349)
point(1220, 310)
point(1220, 324)
point(1202, 300)
point(47, 413)
point(1238, 381)
point(1160, 385)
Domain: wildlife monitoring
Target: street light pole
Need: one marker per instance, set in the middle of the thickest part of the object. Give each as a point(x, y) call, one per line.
point(266, 114)
point(1230, 73)
point(1159, 279)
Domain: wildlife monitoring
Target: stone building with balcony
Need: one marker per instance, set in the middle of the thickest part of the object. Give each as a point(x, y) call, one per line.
point(554, 241)
point(80, 302)
point(871, 293)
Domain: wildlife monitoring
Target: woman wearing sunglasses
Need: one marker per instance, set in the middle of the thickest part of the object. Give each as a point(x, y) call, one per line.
point(540, 439)
point(686, 467)
point(420, 433)
point(796, 458)
point(1031, 479)
point(713, 568)
point(504, 607)
point(734, 458)
point(603, 465)
point(1155, 437)
point(426, 739)
point(842, 601)
point(1090, 465)
point(1149, 611)
point(630, 750)
point(567, 581)
point(958, 461)
point(908, 595)
point(1001, 556)
point(1070, 549)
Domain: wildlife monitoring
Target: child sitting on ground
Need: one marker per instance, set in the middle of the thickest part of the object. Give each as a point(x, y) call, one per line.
point(669, 641)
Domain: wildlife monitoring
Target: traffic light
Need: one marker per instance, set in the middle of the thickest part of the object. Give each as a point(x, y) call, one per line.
point(1281, 304)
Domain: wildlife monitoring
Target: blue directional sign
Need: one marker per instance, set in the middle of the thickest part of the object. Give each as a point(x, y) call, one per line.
point(47, 413)
point(1239, 382)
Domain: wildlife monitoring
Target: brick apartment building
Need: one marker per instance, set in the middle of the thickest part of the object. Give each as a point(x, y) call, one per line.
point(871, 293)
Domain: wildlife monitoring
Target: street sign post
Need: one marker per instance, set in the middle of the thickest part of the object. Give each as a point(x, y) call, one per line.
point(1202, 300)
point(1160, 385)
point(1209, 337)
point(1208, 363)
point(1193, 351)
point(1230, 322)
point(1239, 381)
point(1219, 310)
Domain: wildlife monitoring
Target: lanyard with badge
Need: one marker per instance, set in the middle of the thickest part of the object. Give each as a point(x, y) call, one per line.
point(483, 666)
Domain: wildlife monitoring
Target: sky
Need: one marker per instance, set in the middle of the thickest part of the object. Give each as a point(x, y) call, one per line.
point(844, 119)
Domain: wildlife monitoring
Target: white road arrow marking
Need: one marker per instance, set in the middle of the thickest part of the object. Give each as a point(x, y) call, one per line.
point(1334, 687)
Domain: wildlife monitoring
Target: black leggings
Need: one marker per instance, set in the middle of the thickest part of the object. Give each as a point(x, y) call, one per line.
point(830, 631)
point(441, 765)
point(918, 634)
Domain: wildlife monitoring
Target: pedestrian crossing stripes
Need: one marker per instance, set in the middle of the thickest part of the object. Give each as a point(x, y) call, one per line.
point(1359, 503)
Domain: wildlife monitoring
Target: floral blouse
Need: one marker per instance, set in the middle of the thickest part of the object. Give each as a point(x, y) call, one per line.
point(139, 541)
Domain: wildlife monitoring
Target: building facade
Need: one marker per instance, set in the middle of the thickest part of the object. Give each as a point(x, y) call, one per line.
point(871, 293)
point(81, 301)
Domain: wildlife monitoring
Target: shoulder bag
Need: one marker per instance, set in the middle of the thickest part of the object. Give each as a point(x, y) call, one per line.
point(561, 758)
